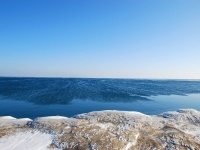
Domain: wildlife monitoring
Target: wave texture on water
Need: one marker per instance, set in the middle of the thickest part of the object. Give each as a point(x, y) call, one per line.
point(64, 90)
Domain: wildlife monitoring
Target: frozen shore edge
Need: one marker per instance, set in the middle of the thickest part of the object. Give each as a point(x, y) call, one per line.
point(109, 129)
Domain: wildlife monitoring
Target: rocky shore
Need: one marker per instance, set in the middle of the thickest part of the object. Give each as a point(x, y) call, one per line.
point(104, 130)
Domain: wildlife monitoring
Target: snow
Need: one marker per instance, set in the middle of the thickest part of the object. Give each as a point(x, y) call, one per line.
point(114, 122)
point(185, 115)
point(51, 118)
point(26, 140)
point(7, 117)
point(104, 126)
point(117, 111)
point(14, 119)
point(130, 144)
point(10, 121)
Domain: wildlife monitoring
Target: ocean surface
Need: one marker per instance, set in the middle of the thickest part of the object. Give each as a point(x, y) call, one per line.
point(37, 97)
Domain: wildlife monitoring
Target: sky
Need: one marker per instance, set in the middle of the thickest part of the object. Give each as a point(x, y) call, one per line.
point(100, 38)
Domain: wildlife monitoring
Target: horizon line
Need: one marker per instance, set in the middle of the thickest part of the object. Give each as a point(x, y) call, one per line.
point(134, 78)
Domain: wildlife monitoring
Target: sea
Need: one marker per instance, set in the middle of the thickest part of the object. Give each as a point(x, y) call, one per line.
point(38, 97)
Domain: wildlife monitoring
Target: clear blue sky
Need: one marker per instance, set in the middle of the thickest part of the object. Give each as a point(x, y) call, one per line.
point(100, 38)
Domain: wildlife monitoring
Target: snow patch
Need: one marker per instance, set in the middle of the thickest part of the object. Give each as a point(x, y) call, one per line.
point(51, 118)
point(104, 126)
point(26, 140)
point(6, 117)
point(130, 144)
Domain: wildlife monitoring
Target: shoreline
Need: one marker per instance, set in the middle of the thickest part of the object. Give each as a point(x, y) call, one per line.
point(108, 129)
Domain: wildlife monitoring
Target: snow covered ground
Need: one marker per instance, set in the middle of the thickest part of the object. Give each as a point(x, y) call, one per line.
point(29, 140)
point(103, 130)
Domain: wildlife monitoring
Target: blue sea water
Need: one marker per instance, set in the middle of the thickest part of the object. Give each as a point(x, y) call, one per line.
point(34, 97)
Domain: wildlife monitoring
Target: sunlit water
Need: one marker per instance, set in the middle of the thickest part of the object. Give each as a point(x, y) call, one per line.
point(33, 97)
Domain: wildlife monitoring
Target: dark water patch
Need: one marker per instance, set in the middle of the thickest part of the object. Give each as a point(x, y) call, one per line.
point(48, 91)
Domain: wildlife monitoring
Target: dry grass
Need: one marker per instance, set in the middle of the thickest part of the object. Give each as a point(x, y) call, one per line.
point(149, 137)
point(114, 133)
point(6, 131)
point(185, 140)
point(146, 142)
point(94, 136)
point(87, 134)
